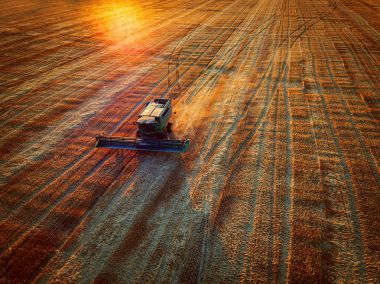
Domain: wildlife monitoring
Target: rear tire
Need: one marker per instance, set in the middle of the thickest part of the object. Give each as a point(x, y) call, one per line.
point(169, 127)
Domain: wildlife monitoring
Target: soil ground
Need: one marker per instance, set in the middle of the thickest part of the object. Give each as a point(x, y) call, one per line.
point(280, 99)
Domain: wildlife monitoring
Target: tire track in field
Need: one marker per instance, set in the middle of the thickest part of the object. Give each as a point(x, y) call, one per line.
point(233, 159)
point(263, 112)
point(216, 215)
point(249, 264)
point(272, 197)
point(255, 196)
point(209, 136)
point(220, 202)
point(209, 216)
point(285, 224)
point(208, 228)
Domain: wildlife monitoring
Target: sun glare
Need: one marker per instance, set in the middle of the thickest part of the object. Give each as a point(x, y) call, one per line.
point(119, 21)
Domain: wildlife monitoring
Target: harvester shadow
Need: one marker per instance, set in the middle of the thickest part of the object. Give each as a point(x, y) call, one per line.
point(141, 228)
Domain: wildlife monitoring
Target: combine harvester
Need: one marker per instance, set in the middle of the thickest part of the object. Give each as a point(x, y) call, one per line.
point(152, 134)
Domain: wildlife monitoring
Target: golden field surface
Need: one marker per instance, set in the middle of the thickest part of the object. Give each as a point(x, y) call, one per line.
point(279, 98)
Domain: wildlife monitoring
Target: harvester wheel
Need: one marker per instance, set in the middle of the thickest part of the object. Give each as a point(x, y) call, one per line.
point(169, 127)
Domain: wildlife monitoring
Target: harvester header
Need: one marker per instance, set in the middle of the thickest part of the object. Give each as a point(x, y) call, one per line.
point(153, 127)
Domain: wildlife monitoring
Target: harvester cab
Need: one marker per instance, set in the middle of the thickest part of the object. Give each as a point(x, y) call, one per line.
point(154, 120)
point(153, 127)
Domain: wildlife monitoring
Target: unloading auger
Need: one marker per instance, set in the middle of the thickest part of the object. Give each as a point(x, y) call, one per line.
point(153, 127)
